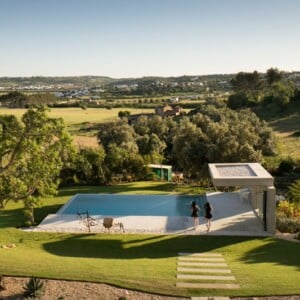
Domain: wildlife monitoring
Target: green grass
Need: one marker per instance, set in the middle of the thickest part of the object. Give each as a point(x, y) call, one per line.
point(76, 115)
point(262, 266)
point(79, 121)
point(287, 130)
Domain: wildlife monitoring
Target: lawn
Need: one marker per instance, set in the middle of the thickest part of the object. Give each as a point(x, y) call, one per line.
point(262, 266)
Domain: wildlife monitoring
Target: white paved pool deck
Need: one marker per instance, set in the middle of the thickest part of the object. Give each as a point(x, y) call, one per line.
point(231, 216)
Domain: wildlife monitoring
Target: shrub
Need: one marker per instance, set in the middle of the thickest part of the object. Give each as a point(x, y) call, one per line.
point(34, 288)
point(289, 209)
point(287, 165)
point(285, 224)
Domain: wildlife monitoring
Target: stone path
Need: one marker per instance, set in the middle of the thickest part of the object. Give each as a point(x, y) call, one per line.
point(204, 270)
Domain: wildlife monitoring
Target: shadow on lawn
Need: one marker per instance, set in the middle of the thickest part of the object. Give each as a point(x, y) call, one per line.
point(11, 217)
point(94, 246)
point(131, 247)
point(115, 189)
point(277, 251)
point(125, 247)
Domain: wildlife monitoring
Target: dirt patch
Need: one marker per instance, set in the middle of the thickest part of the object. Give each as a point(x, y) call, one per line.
point(74, 290)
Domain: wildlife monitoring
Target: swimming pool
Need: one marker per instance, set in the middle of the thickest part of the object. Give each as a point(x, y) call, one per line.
point(132, 205)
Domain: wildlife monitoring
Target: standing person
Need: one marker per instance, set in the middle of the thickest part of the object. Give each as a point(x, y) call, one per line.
point(208, 215)
point(195, 209)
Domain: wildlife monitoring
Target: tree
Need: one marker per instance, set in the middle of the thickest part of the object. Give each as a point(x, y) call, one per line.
point(32, 153)
point(282, 93)
point(189, 148)
point(246, 82)
point(123, 114)
point(273, 75)
point(14, 99)
point(90, 165)
point(238, 100)
point(215, 135)
point(119, 133)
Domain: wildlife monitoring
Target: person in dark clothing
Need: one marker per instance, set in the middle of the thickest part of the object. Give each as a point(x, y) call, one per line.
point(208, 215)
point(195, 209)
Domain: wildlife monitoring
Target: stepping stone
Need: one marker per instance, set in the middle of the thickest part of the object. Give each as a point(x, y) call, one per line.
point(210, 298)
point(200, 254)
point(202, 264)
point(216, 259)
point(205, 277)
point(203, 270)
point(207, 285)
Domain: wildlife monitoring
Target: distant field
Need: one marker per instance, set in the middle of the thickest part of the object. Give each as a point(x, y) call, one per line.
point(74, 115)
point(81, 122)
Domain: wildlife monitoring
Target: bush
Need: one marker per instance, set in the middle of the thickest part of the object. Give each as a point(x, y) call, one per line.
point(289, 209)
point(285, 224)
point(34, 288)
point(287, 165)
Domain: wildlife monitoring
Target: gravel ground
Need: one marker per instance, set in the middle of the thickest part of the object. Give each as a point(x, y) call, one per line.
point(73, 290)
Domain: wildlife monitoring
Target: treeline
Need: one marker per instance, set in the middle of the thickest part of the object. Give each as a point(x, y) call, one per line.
point(211, 133)
point(272, 90)
point(80, 81)
point(20, 100)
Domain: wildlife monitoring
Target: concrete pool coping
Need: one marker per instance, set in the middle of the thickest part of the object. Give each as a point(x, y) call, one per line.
point(230, 217)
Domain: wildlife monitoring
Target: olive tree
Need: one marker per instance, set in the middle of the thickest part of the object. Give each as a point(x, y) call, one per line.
point(32, 153)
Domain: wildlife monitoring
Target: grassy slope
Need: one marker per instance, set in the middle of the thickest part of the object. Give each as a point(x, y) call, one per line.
point(262, 266)
point(286, 125)
point(286, 129)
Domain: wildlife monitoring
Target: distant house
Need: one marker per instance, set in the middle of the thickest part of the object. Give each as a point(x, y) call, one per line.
point(168, 111)
point(174, 99)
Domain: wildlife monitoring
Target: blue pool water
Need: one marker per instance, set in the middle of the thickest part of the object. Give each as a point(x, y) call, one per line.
point(132, 205)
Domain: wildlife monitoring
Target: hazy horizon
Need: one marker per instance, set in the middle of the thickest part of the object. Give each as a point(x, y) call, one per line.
point(159, 38)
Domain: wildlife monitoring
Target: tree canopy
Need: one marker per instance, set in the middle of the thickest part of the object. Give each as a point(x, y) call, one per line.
point(32, 153)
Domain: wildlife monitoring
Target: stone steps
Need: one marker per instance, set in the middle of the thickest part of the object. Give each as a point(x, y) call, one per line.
point(205, 270)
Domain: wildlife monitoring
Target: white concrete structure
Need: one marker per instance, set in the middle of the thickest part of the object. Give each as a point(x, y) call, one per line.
point(257, 188)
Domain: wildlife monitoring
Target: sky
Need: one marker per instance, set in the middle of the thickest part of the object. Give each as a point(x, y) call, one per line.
point(136, 38)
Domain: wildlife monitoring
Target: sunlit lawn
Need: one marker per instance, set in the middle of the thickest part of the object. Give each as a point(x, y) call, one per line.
point(287, 130)
point(262, 266)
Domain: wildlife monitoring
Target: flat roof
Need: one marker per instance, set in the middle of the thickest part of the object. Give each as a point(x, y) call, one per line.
point(239, 174)
point(159, 166)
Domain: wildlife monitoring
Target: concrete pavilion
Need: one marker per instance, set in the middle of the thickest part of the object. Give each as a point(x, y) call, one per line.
point(257, 187)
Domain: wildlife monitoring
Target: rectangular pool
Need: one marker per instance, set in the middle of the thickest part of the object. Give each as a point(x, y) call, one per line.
point(132, 205)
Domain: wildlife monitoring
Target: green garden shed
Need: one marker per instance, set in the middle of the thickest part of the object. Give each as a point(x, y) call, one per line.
point(162, 171)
